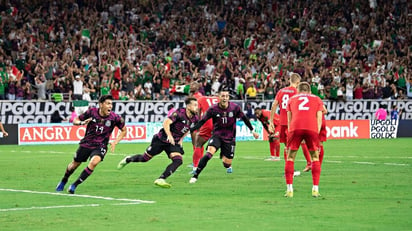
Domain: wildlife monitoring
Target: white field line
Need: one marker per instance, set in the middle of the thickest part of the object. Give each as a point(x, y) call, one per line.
point(79, 195)
point(49, 207)
point(370, 163)
point(395, 164)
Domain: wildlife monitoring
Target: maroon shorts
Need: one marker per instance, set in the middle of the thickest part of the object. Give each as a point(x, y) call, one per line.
point(296, 137)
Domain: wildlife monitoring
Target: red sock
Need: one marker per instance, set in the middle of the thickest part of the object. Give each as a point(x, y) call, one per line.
point(306, 153)
point(272, 148)
point(285, 153)
point(289, 169)
point(315, 172)
point(197, 155)
point(277, 148)
point(321, 153)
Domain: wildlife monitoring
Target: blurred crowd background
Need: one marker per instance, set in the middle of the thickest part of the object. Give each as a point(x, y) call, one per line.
point(154, 50)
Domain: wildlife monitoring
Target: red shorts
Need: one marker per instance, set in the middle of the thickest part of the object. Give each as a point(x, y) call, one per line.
point(311, 139)
point(283, 135)
point(322, 134)
point(206, 130)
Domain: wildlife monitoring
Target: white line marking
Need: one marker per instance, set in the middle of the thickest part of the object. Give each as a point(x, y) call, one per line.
point(78, 195)
point(371, 163)
point(333, 161)
point(49, 207)
point(395, 164)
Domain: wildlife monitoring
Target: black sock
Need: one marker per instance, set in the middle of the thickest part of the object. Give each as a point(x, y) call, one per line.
point(83, 176)
point(67, 174)
point(202, 164)
point(171, 168)
point(226, 165)
point(139, 158)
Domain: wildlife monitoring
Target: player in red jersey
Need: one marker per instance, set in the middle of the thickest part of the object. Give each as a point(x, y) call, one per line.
point(281, 100)
point(194, 92)
point(304, 112)
point(205, 132)
point(263, 116)
point(322, 135)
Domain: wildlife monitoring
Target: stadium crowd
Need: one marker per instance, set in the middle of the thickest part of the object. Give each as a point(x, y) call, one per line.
point(153, 50)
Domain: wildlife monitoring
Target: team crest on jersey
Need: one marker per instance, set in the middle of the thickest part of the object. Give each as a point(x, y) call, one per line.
point(184, 121)
point(108, 123)
point(230, 114)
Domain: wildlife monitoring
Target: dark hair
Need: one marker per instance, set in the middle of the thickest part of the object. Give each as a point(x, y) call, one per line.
point(170, 107)
point(189, 100)
point(104, 98)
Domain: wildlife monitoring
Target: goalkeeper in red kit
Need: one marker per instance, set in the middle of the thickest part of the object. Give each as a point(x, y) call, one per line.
point(263, 116)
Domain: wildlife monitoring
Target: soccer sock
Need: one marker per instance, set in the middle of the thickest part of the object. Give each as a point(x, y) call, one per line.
point(171, 168)
point(306, 154)
point(277, 148)
point(272, 148)
point(197, 154)
point(67, 174)
point(226, 165)
point(139, 158)
point(321, 153)
point(289, 169)
point(315, 172)
point(83, 176)
point(285, 153)
point(202, 164)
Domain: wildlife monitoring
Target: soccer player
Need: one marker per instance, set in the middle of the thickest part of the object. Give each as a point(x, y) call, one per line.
point(223, 115)
point(205, 132)
point(281, 100)
point(169, 139)
point(194, 92)
point(263, 116)
point(304, 113)
point(100, 124)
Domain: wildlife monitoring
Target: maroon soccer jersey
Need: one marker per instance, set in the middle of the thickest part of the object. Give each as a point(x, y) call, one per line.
point(99, 129)
point(283, 97)
point(181, 124)
point(304, 108)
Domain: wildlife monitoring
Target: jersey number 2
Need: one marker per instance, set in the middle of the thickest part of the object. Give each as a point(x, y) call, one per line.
point(303, 105)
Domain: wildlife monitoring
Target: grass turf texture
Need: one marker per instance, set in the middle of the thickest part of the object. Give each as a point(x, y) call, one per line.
point(365, 185)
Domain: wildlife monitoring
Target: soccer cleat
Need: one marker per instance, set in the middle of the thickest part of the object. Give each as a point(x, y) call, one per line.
point(307, 168)
point(192, 180)
point(71, 189)
point(193, 172)
point(122, 163)
point(296, 173)
point(229, 170)
point(277, 158)
point(60, 186)
point(162, 183)
point(315, 193)
point(289, 194)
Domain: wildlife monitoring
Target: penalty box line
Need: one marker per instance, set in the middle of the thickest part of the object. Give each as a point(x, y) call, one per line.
point(134, 201)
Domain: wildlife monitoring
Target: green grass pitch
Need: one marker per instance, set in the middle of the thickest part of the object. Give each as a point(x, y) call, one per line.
point(365, 185)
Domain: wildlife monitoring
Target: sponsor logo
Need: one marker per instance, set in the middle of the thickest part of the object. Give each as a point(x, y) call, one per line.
point(347, 129)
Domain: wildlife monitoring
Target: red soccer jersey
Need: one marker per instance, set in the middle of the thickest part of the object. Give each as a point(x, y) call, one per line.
point(197, 95)
point(283, 97)
point(205, 102)
point(265, 117)
point(304, 108)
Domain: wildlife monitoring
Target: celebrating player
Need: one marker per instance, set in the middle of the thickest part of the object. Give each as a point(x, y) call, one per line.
point(169, 139)
point(304, 113)
point(100, 124)
point(223, 115)
point(263, 116)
